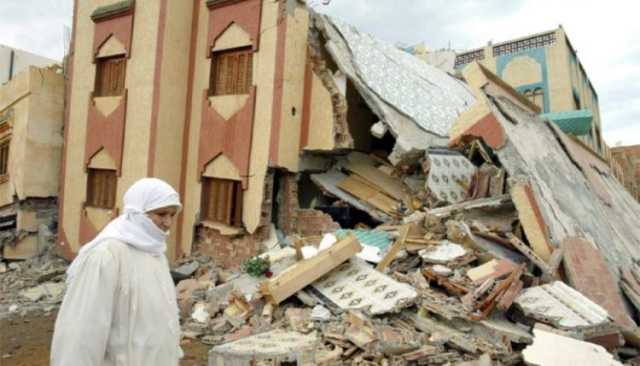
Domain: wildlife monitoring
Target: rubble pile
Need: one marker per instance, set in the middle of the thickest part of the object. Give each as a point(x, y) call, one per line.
point(34, 285)
point(459, 263)
point(468, 254)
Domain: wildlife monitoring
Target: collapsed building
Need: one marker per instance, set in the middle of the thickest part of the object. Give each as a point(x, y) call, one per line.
point(266, 93)
point(31, 117)
point(291, 133)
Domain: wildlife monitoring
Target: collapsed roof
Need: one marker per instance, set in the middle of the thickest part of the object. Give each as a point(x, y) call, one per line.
point(416, 102)
point(573, 191)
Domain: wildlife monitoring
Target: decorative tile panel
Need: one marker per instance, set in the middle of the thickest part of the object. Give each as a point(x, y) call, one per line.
point(449, 175)
point(356, 285)
point(280, 345)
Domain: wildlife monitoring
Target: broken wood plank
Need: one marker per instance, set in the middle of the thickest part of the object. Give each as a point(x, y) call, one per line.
point(529, 253)
point(298, 244)
point(487, 305)
point(510, 295)
point(306, 271)
point(328, 183)
point(395, 248)
point(531, 219)
point(554, 263)
point(451, 287)
point(491, 203)
point(384, 182)
point(370, 195)
point(492, 237)
point(495, 268)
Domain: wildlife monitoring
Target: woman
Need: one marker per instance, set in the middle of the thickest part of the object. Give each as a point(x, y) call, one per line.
point(120, 306)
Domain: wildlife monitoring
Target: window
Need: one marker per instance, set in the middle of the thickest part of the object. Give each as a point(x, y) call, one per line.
point(4, 158)
point(110, 73)
point(101, 188)
point(221, 201)
point(538, 98)
point(231, 72)
point(535, 96)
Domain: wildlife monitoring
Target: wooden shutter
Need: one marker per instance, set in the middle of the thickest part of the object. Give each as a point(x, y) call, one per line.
point(101, 188)
point(110, 76)
point(4, 157)
point(221, 201)
point(231, 72)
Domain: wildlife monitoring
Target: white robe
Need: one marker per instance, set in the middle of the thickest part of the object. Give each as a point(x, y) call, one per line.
point(128, 299)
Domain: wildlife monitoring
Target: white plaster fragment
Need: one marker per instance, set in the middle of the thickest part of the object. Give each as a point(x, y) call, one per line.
point(379, 129)
point(200, 313)
point(320, 313)
point(550, 349)
point(443, 253)
point(309, 251)
point(327, 241)
point(442, 270)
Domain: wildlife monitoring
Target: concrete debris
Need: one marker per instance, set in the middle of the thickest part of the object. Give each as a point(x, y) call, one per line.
point(320, 313)
point(444, 253)
point(588, 273)
point(561, 306)
point(549, 349)
point(442, 270)
point(188, 269)
point(276, 346)
point(200, 313)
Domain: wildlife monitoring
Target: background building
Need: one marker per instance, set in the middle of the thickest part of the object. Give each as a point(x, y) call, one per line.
point(628, 158)
point(31, 116)
point(545, 68)
point(444, 59)
point(14, 61)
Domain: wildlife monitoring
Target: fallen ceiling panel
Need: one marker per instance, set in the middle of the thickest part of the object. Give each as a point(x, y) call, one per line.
point(417, 101)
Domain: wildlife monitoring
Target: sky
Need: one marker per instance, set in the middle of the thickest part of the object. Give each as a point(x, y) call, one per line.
point(606, 35)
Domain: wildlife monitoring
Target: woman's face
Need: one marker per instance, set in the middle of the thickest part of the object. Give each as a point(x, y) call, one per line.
point(163, 217)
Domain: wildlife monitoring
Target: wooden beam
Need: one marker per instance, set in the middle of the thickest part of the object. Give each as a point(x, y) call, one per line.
point(363, 190)
point(307, 271)
point(385, 183)
point(395, 248)
point(533, 257)
point(531, 219)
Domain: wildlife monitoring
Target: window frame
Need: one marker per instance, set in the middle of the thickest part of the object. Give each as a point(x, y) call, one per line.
point(99, 88)
point(100, 201)
point(242, 79)
point(5, 150)
point(537, 97)
point(227, 191)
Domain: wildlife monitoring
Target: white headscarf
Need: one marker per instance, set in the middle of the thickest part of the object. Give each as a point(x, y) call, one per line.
point(133, 226)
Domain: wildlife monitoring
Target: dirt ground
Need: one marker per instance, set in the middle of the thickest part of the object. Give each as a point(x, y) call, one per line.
point(25, 342)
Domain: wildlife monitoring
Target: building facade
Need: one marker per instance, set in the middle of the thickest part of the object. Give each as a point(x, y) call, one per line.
point(228, 101)
point(207, 95)
point(31, 119)
point(628, 159)
point(13, 61)
point(545, 68)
